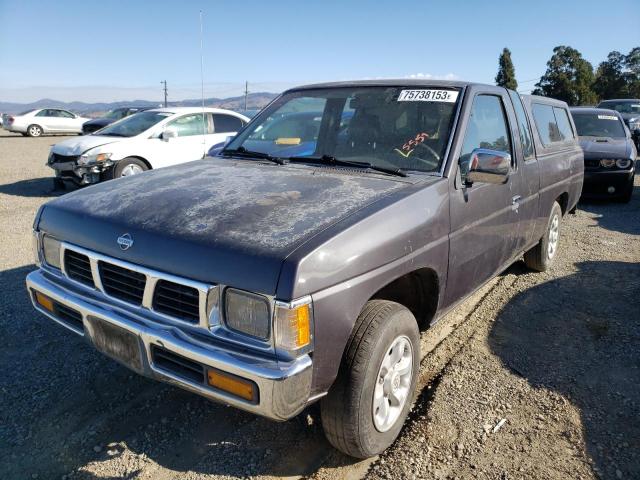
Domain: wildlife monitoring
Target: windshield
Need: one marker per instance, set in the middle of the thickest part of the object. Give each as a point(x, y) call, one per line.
point(622, 107)
point(598, 125)
point(116, 114)
point(387, 127)
point(133, 125)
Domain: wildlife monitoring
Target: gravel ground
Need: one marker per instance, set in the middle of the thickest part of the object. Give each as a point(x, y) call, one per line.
point(535, 376)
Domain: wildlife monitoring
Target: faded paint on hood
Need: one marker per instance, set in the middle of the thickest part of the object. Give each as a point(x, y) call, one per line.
point(225, 221)
point(604, 147)
point(79, 145)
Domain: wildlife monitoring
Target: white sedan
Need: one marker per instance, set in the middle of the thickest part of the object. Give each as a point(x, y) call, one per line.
point(150, 139)
point(44, 120)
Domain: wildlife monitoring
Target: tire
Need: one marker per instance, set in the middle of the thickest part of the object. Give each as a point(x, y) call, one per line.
point(129, 166)
point(348, 409)
point(34, 130)
point(628, 192)
point(541, 256)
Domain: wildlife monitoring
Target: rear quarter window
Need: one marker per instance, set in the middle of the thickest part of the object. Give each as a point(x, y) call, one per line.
point(564, 125)
point(546, 123)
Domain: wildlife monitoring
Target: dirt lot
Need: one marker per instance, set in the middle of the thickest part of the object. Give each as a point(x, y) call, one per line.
point(554, 355)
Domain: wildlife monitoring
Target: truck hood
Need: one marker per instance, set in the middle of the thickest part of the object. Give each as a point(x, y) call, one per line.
point(602, 147)
point(221, 221)
point(79, 145)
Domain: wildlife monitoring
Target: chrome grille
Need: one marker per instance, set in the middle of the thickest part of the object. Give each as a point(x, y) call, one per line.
point(174, 298)
point(78, 267)
point(122, 283)
point(177, 300)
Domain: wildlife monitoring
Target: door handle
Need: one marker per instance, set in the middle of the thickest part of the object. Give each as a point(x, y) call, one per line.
point(515, 202)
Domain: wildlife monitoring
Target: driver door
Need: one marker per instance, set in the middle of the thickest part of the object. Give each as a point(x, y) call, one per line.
point(483, 217)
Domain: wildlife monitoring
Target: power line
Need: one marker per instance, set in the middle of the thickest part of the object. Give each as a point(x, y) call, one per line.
point(164, 82)
point(246, 93)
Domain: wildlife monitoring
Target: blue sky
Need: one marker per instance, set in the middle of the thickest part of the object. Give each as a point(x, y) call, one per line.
point(121, 50)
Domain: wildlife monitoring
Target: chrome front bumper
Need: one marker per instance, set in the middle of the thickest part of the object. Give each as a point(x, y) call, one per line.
point(283, 388)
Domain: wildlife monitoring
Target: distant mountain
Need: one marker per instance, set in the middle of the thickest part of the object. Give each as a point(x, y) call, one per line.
point(254, 101)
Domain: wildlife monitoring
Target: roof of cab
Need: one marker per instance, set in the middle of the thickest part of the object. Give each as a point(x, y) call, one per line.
point(544, 100)
point(397, 82)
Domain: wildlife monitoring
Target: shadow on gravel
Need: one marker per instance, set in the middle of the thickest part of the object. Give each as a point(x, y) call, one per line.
point(579, 335)
point(34, 187)
point(628, 222)
point(66, 409)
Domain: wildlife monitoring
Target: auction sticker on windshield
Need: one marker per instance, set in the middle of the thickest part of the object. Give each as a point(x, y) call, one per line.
point(449, 96)
point(607, 117)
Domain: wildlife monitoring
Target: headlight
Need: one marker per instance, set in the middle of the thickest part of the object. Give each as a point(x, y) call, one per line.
point(623, 163)
point(86, 159)
point(608, 163)
point(294, 326)
point(51, 251)
point(247, 313)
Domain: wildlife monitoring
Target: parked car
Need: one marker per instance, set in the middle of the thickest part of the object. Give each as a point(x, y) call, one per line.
point(34, 123)
point(269, 282)
point(609, 153)
point(150, 139)
point(110, 117)
point(629, 108)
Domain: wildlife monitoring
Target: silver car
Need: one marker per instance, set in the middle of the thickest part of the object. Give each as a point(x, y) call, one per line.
point(43, 120)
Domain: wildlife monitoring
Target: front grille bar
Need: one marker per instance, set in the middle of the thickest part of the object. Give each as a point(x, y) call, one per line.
point(142, 293)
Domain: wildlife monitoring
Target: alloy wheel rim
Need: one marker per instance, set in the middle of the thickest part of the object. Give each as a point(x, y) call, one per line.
point(393, 384)
point(130, 170)
point(35, 131)
point(554, 233)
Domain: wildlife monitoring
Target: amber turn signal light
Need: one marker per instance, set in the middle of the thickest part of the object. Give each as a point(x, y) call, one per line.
point(233, 384)
point(44, 301)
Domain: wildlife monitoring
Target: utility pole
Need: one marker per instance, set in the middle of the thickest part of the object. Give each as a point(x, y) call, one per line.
point(164, 82)
point(246, 94)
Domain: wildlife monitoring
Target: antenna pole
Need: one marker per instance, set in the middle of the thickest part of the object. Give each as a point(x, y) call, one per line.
point(204, 129)
point(246, 94)
point(164, 82)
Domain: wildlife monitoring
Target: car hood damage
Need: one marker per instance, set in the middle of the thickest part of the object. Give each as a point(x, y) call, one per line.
point(79, 145)
point(221, 221)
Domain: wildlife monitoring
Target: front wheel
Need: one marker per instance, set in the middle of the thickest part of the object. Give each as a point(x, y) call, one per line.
point(129, 166)
point(367, 405)
point(542, 255)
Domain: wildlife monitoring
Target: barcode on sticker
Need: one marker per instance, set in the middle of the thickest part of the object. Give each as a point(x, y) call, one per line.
point(449, 96)
point(607, 117)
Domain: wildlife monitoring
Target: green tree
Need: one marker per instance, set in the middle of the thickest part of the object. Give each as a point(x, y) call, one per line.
point(569, 77)
point(612, 81)
point(506, 76)
point(632, 64)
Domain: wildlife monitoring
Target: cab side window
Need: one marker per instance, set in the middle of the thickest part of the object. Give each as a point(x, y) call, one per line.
point(487, 128)
point(546, 124)
point(188, 125)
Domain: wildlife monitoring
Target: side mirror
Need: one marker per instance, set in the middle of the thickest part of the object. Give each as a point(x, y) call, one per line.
point(488, 166)
point(168, 133)
point(228, 140)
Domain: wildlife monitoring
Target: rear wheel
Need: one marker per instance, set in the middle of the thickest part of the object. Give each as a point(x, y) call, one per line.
point(129, 166)
point(34, 130)
point(542, 255)
point(367, 405)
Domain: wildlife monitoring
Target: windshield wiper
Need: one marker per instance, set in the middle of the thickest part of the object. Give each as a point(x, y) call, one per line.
point(331, 160)
point(243, 152)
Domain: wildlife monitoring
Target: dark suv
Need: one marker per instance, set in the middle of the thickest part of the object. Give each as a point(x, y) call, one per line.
point(110, 117)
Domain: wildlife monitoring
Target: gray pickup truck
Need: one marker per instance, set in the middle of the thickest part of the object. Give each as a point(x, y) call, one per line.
point(303, 261)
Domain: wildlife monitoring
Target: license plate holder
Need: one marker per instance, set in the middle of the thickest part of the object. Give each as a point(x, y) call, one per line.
point(117, 343)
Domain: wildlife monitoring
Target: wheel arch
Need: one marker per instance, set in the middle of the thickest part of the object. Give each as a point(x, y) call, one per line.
point(142, 159)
